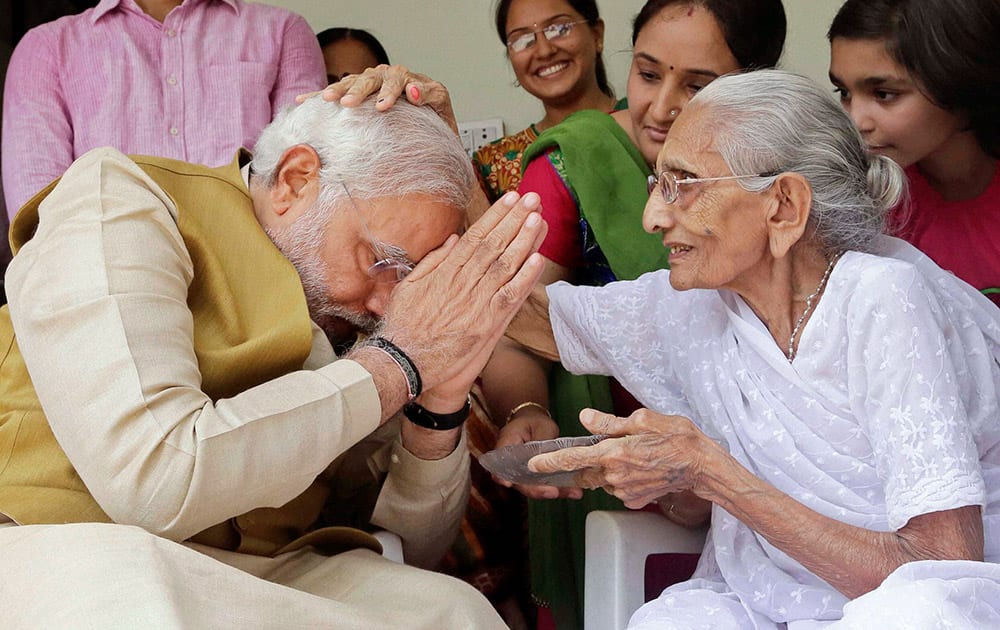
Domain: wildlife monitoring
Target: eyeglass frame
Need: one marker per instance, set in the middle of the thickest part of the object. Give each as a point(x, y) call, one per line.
point(384, 261)
point(655, 181)
point(533, 33)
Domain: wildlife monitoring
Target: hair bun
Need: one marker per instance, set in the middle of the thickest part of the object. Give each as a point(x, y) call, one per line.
point(886, 182)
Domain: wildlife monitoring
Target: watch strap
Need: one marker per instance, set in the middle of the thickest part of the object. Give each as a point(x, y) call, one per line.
point(437, 421)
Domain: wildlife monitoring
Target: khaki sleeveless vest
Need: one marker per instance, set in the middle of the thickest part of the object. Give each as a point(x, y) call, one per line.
point(251, 325)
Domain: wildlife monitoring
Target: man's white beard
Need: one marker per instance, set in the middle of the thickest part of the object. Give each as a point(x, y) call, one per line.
point(300, 244)
point(329, 315)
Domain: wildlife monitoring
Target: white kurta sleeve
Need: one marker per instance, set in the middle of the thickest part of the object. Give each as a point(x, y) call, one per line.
point(576, 329)
point(98, 303)
point(631, 330)
point(913, 374)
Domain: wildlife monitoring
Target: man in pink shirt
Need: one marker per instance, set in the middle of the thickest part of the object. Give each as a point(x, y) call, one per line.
point(192, 80)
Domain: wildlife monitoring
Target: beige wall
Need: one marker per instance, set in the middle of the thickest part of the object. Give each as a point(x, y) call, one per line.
point(454, 41)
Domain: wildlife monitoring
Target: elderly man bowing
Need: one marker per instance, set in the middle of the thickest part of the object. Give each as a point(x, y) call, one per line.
point(180, 444)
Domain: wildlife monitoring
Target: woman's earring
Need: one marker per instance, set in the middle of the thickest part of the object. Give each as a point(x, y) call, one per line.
point(674, 113)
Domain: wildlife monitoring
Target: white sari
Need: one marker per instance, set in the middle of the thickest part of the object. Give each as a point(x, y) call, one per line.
point(889, 411)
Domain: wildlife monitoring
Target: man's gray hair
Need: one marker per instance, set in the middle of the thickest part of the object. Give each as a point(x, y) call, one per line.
point(772, 121)
point(404, 150)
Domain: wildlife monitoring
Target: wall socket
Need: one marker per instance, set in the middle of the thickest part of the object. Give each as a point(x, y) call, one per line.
point(478, 133)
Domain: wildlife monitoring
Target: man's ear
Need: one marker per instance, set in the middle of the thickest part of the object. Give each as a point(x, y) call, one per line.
point(296, 185)
point(787, 220)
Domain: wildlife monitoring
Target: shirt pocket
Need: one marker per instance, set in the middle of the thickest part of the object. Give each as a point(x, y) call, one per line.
point(240, 92)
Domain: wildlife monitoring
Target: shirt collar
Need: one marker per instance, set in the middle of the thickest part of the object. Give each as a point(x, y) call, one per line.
point(106, 6)
point(245, 161)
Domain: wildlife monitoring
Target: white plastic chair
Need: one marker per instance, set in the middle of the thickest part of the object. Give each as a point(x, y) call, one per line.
point(392, 545)
point(617, 543)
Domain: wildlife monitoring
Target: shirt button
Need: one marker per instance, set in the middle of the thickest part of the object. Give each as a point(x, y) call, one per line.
point(171, 33)
point(394, 458)
point(172, 80)
point(174, 131)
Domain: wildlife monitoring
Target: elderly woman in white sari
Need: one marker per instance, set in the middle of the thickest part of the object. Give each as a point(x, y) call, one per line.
point(827, 392)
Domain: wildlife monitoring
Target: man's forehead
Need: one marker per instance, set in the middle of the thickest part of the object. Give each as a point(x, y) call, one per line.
point(406, 206)
point(412, 222)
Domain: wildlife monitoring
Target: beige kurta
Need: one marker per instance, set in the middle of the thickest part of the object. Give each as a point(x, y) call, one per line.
point(100, 304)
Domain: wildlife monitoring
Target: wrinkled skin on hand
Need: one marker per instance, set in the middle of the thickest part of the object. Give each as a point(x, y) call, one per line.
point(648, 456)
point(449, 313)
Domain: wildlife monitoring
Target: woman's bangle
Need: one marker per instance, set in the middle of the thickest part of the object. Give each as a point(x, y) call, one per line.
point(525, 405)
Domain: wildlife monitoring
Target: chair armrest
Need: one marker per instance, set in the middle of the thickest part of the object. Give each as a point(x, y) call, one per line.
point(617, 543)
point(392, 545)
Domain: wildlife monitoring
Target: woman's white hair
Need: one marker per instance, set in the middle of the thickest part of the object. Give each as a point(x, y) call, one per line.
point(402, 151)
point(773, 121)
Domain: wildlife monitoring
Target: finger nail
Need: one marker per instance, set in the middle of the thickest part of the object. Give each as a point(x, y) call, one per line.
point(531, 200)
point(510, 199)
point(533, 219)
point(414, 93)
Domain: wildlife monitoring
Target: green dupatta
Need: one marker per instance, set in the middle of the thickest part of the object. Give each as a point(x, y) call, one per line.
point(607, 176)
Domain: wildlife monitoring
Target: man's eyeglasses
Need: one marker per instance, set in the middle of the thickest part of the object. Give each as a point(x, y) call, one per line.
point(669, 185)
point(391, 265)
point(523, 41)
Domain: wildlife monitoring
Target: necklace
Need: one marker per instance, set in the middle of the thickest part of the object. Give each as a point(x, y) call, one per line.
point(810, 301)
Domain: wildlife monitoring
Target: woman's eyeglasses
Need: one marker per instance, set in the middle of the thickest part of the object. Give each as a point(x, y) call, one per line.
point(389, 267)
point(669, 185)
point(518, 42)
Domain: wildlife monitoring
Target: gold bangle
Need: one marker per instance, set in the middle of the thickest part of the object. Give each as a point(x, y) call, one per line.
point(525, 405)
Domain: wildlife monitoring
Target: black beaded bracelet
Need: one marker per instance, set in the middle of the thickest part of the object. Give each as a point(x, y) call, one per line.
point(413, 382)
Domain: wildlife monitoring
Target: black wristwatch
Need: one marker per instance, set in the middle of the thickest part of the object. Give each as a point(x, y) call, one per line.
point(437, 421)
